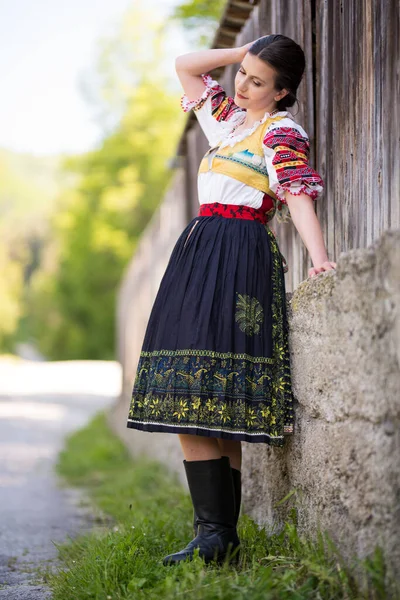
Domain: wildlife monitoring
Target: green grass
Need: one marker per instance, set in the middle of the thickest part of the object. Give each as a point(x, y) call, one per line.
point(147, 514)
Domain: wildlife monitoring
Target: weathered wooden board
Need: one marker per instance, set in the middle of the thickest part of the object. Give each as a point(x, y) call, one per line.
point(358, 119)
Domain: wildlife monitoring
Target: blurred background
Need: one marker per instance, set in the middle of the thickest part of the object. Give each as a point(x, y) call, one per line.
point(89, 124)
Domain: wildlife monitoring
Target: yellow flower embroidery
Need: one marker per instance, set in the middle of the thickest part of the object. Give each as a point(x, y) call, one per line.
point(278, 385)
point(265, 412)
point(210, 405)
point(182, 410)
point(224, 412)
point(155, 407)
point(250, 417)
point(196, 402)
point(279, 352)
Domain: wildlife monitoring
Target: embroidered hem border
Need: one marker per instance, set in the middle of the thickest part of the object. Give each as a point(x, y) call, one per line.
point(240, 436)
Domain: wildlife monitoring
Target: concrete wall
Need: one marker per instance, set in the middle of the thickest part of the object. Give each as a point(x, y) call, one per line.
point(343, 460)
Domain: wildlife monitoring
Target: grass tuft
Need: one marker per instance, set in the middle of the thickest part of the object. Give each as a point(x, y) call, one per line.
point(147, 514)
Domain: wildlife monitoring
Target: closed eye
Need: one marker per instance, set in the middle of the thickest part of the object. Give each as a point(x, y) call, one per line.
point(256, 83)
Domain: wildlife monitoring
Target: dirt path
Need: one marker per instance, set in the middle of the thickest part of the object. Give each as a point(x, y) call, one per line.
point(40, 403)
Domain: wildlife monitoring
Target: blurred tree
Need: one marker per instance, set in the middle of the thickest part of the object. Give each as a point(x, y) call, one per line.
point(121, 184)
point(11, 277)
point(28, 191)
point(138, 49)
point(200, 18)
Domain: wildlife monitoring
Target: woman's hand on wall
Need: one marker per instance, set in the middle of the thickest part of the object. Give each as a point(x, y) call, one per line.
point(326, 266)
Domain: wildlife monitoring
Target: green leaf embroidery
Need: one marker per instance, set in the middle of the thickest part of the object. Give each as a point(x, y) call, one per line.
point(249, 314)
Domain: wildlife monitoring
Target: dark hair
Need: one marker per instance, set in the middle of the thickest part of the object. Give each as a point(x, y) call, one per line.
point(287, 59)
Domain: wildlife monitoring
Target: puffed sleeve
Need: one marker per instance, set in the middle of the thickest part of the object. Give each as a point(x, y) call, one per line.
point(216, 112)
point(287, 151)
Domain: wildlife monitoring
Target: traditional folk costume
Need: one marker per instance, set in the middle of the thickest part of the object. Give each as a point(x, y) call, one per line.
point(215, 357)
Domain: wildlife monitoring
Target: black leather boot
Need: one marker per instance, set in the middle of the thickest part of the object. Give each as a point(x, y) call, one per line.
point(211, 489)
point(237, 486)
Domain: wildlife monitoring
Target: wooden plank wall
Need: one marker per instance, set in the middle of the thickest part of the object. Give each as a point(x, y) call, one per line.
point(349, 106)
point(358, 119)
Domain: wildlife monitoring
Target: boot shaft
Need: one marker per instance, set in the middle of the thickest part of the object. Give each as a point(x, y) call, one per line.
point(212, 491)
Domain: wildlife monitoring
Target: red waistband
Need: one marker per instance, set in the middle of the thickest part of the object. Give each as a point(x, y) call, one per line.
point(234, 211)
point(238, 212)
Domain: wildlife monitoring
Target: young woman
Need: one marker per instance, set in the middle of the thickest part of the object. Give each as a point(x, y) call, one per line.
point(214, 366)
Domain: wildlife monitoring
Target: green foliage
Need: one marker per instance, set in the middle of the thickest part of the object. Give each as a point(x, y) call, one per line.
point(200, 18)
point(10, 296)
point(29, 188)
point(194, 11)
point(137, 50)
point(120, 185)
point(146, 514)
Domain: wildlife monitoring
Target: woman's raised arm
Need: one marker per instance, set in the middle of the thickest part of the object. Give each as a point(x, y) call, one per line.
point(189, 67)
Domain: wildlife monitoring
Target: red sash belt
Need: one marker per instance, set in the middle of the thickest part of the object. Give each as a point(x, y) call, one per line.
point(233, 211)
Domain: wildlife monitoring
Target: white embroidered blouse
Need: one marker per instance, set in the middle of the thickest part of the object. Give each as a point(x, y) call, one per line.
point(284, 141)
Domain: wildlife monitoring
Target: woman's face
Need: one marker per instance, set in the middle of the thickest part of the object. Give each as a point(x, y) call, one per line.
point(255, 85)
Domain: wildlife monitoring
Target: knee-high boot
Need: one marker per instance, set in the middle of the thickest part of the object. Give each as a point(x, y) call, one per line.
point(211, 489)
point(237, 486)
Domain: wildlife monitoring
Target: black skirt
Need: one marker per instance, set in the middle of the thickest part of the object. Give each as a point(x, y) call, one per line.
point(215, 357)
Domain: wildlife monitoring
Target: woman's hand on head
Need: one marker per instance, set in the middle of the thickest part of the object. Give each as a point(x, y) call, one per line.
point(326, 266)
point(243, 50)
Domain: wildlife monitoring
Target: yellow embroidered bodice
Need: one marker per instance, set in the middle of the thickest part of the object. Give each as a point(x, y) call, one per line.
point(244, 161)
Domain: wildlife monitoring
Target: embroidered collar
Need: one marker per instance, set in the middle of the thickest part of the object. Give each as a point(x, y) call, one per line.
point(230, 139)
